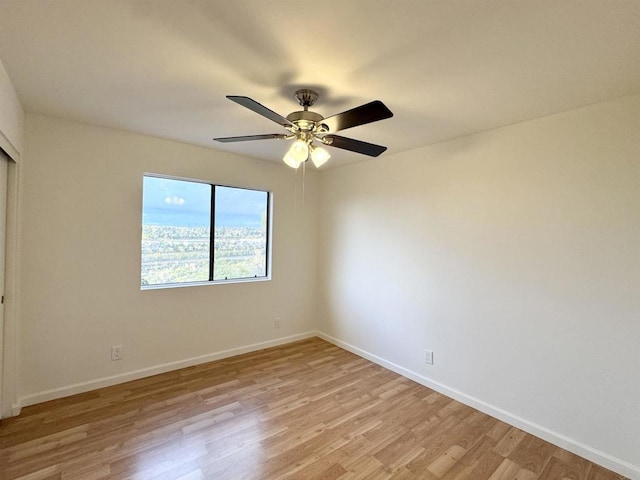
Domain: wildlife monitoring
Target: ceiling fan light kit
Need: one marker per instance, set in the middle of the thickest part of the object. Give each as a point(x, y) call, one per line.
point(299, 150)
point(290, 161)
point(319, 156)
point(307, 127)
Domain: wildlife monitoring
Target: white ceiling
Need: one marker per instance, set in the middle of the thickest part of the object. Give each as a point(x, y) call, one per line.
point(445, 68)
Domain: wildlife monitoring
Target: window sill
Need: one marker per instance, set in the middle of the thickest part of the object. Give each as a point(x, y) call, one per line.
point(200, 284)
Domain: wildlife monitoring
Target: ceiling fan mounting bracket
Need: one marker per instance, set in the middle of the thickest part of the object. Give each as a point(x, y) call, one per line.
point(306, 97)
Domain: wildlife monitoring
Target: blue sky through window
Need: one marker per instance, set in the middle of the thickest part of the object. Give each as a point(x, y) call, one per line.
point(188, 204)
point(176, 203)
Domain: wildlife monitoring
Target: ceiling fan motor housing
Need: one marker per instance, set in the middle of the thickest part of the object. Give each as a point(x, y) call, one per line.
point(305, 120)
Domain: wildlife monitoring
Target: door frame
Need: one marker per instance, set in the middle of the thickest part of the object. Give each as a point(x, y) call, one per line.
point(9, 401)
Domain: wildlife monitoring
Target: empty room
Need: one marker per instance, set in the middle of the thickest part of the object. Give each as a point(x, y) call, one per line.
point(356, 239)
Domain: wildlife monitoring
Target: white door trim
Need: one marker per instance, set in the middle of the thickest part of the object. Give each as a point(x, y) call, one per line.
point(9, 405)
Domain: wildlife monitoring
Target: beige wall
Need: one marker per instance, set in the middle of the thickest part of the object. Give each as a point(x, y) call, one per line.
point(514, 255)
point(80, 261)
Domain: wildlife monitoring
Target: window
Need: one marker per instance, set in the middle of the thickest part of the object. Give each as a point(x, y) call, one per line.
point(198, 232)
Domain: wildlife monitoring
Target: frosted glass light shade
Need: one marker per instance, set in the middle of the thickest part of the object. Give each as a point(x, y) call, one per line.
point(299, 151)
point(290, 161)
point(319, 156)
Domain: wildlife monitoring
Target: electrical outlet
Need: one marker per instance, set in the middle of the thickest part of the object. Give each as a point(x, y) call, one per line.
point(276, 322)
point(116, 352)
point(428, 357)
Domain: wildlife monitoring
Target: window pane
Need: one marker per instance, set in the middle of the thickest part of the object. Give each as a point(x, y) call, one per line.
point(240, 243)
point(176, 215)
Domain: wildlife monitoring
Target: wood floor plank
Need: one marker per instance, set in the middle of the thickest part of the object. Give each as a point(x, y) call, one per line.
point(532, 453)
point(510, 441)
point(307, 410)
point(507, 470)
point(579, 467)
point(441, 465)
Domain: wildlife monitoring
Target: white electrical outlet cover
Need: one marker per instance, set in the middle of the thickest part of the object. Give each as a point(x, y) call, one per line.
point(428, 357)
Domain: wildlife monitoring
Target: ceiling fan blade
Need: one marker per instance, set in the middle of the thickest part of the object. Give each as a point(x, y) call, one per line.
point(260, 109)
point(367, 113)
point(357, 146)
point(244, 138)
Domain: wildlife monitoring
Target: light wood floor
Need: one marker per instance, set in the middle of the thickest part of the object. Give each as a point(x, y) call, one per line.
point(308, 410)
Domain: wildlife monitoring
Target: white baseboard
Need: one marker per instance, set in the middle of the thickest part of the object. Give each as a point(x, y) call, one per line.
point(147, 372)
point(601, 458)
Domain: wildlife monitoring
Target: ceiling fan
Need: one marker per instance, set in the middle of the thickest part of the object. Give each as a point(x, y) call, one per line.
point(307, 127)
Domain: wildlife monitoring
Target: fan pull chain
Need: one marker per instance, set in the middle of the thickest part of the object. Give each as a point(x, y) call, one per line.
point(295, 192)
point(304, 169)
point(302, 188)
